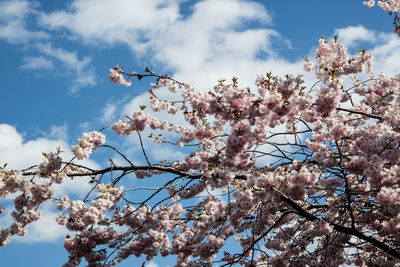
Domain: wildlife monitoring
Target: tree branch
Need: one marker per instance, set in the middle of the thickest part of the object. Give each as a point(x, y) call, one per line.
point(342, 229)
point(361, 113)
point(130, 168)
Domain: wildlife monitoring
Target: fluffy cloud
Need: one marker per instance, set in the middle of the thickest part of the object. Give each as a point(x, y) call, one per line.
point(387, 54)
point(84, 74)
point(352, 35)
point(216, 41)
point(37, 63)
point(109, 112)
point(50, 56)
point(20, 154)
point(58, 132)
point(126, 21)
point(154, 264)
point(13, 17)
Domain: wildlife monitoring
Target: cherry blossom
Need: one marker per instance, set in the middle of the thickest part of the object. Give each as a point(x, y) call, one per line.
point(89, 142)
point(295, 176)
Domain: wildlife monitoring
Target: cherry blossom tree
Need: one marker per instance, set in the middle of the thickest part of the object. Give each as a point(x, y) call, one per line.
point(305, 176)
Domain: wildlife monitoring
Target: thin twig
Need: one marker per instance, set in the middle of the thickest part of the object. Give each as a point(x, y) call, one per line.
point(141, 145)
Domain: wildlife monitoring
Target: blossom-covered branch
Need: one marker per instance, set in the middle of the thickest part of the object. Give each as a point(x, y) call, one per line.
point(295, 175)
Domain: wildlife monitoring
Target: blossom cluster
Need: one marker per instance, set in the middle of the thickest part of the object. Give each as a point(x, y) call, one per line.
point(83, 217)
point(51, 163)
point(89, 142)
point(27, 197)
point(386, 5)
point(116, 77)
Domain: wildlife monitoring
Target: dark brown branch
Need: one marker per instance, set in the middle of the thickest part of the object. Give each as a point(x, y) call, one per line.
point(342, 229)
point(130, 169)
point(122, 155)
point(346, 184)
point(144, 152)
point(361, 113)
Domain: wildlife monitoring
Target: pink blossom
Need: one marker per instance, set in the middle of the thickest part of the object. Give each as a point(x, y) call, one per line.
point(117, 78)
point(89, 142)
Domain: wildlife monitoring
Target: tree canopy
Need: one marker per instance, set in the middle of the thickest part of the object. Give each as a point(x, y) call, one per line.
point(296, 175)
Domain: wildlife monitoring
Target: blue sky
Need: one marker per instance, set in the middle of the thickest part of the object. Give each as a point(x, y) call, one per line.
point(55, 56)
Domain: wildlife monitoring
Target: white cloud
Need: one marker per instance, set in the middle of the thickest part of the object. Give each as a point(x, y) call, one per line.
point(215, 39)
point(164, 153)
point(387, 54)
point(37, 63)
point(152, 264)
point(133, 105)
point(109, 112)
point(112, 110)
point(19, 154)
point(85, 126)
point(215, 30)
point(80, 67)
point(13, 15)
point(352, 35)
point(126, 21)
point(206, 47)
point(58, 132)
point(209, 45)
